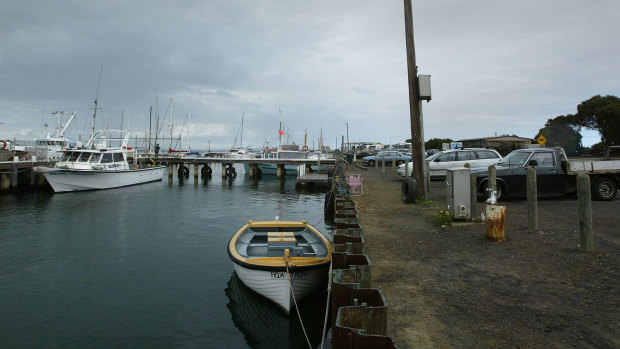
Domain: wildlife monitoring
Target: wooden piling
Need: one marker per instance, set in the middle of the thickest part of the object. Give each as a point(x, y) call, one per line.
point(532, 201)
point(281, 172)
point(407, 169)
point(492, 184)
point(473, 199)
point(382, 164)
point(170, 173)
point(196, 171)
point(586, 234)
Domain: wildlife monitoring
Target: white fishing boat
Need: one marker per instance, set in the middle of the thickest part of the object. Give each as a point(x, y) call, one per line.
point(100, 165)
point(53, 144)
point(282, 260)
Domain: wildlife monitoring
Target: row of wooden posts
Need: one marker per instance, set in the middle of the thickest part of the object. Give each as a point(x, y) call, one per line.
point(584, 204)
point(583, 195)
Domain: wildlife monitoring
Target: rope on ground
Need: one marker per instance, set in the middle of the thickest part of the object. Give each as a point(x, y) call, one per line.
point(329, 290)
point(290, 282)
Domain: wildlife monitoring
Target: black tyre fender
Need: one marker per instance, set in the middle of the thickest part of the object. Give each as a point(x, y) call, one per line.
point(604, 189)
point(409, 190)
point(233, 172)
point(183, 171)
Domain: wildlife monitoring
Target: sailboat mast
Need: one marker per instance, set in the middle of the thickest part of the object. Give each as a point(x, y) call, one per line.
point(242, 130)
point(189, 126)
point(171, 125)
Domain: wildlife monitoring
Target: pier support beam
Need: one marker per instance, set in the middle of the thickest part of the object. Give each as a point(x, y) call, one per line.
point(196, 173)
point(5, 181)
point(170, 173)
point(224, 170)
point(281, 171)
point(252, 169)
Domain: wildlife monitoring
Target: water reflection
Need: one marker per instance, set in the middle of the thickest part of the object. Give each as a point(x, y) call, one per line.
point(265, 325)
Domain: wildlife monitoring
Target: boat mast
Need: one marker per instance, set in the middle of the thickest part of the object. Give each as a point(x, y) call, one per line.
point(96, 101)
point(171, 125)
point(189, 126)
point(242, 129)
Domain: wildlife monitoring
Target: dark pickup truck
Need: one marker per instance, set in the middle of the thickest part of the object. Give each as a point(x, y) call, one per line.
point(555, 174)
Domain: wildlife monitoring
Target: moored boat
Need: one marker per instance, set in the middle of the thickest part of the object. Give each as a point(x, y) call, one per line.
point(282, 260)
point(99, 165)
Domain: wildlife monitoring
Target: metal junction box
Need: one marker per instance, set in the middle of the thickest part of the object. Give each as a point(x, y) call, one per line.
point(458, 192)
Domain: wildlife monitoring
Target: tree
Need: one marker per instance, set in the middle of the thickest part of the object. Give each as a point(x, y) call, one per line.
point(436, 143)
point(560, 132)
point(601, 114)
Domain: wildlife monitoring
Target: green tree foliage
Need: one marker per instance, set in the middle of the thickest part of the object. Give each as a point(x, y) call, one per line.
point(560, 132)
point(436, 143)
point(601, 114)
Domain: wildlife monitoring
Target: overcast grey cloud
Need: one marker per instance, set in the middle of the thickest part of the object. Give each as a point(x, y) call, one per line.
point(496, 66)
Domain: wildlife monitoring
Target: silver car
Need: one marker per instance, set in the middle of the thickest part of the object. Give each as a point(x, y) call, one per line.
point(438, 163)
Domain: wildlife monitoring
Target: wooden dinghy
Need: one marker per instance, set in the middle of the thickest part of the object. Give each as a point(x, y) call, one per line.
point(275, 257)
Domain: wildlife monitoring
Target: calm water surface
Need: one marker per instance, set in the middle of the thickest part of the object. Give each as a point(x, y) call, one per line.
point(144, 266)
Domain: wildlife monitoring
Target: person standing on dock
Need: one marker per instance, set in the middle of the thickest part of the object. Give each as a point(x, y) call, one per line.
point(157, 149)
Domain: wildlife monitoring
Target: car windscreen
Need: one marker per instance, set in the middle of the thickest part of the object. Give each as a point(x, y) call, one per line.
point(516, 158)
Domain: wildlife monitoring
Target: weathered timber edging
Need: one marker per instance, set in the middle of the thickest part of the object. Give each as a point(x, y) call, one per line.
point(359, 312)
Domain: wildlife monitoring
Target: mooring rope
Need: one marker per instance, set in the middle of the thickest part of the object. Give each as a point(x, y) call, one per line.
point(329, 290)
point(290, 282)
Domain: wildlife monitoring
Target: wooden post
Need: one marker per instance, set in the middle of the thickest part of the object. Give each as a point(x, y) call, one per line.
point(585, 213)
point(376, 162)
point(196, 171)
point(492, 179)
point(417, 132)
point(473, 200)
point(170, 173)
point(532, 201)
point(5, 181)
point(382, 164)
point(281, 171)
point(406, 169)
point(223, 170)
point(394, 168)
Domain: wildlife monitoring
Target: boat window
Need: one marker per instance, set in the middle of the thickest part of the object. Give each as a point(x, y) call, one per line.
point(65, 156)
point(118, 157)
point(84, 157)
point(107, 157)
point(95, 158)
point(74, 156)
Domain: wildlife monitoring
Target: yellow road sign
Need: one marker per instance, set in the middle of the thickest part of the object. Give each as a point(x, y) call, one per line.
point(541, 140)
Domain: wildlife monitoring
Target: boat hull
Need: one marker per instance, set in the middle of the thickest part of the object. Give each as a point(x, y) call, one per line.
point(272, 169)
point(62, 180)
point(275, 285)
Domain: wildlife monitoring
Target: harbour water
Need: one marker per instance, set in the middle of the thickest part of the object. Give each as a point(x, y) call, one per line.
point(145, 266)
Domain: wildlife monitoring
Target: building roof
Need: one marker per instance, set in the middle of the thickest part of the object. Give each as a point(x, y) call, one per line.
point(499, 138)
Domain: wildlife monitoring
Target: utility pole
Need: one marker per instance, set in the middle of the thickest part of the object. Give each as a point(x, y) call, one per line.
point(417, 133)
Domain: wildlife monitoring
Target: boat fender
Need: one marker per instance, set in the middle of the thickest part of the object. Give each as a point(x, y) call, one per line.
point(304, 148)
point(409, 190)
point(3, 144)
point(206, 171)
point(233, 172)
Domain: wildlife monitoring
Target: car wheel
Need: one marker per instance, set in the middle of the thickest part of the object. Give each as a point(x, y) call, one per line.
point(501, 192)
point(604, 189)
point(371, 163)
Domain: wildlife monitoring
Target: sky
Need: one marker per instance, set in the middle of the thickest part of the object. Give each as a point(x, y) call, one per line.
point(331, 67)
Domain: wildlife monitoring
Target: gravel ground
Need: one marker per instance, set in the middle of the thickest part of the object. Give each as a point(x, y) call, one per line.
point(447, 287)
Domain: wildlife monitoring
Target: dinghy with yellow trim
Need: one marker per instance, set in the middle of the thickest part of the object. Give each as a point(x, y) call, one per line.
point(274, 258)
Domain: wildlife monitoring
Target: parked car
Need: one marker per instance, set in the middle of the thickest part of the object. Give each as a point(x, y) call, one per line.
point(362, 154)
point(438, 163)
point(555, 174)
point(389, 156)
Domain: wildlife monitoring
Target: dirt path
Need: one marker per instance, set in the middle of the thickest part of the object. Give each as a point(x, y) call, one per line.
point(447, 287)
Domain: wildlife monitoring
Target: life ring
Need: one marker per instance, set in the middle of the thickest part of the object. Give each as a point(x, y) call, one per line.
point(304, 148)
point(3, 143)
